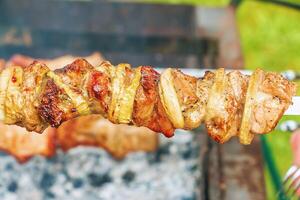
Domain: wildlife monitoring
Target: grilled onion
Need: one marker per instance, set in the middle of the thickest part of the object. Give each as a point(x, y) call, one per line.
point(117, 88)
point(169, 99)
point(4, 78)
point(127, 98)
point(14, 98)
point(245, 135)
point(216, 115)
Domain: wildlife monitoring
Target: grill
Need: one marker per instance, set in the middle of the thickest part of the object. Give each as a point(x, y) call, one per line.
point(143, 34)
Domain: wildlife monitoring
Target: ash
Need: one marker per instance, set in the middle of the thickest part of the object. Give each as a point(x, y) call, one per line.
point(172, 172)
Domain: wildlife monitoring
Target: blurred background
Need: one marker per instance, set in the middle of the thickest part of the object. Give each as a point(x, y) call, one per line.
point(270, 39)
point(233, 33)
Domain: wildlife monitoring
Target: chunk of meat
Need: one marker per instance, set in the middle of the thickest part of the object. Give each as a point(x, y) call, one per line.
point(203, 87)
point(190, 104)
point(225, 105)
point(23, 145)
point(148, 110)
point(145, 97)
point(93, 130)
point(272, 99)
point(55, 63)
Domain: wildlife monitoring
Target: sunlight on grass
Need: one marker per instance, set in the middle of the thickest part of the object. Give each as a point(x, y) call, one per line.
point(270, 36)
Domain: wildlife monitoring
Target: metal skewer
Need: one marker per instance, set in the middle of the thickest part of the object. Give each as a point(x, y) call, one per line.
point(295, 108)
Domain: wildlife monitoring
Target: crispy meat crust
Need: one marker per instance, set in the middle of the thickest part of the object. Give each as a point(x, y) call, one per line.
point(49, 109)
point(145, 97)
point(148, 110)
point(98, 89)
point(74, 73)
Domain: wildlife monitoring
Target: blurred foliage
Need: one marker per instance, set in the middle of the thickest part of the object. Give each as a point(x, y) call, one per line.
point(270, 36)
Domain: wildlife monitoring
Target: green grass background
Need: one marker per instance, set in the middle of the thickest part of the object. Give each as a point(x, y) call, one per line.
point(270, 38)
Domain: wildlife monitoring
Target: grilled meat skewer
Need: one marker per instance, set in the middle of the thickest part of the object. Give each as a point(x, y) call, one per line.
point(90, 130)
point(229, 104)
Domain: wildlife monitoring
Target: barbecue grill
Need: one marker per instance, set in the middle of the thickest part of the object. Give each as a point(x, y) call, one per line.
point(143, 34)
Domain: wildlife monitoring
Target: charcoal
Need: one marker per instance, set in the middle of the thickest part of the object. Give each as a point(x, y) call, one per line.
point(128, 176)
point(13, 186)
point(97, 180)
point(91, 173)
point(47, 180)
point(77, 183)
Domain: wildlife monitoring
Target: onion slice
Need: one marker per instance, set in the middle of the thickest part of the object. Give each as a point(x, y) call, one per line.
point(117, 86)
point(4, 78)
point(245, 135)
point(127, 98)
point(14, 98)
point(169, 99)
point(216, 114)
